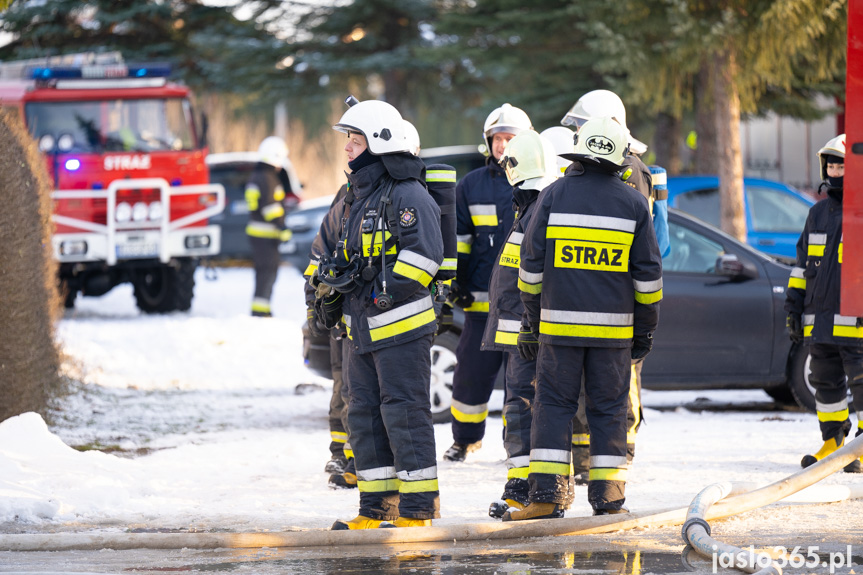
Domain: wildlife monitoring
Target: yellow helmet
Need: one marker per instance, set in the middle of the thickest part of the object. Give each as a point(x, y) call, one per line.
point(529, 159)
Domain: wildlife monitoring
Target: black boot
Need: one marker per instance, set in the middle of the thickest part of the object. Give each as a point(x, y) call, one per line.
point(459, 451)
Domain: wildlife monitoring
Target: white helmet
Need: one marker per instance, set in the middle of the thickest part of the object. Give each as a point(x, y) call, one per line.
point(508, 119)
point(380, 123)
point(273, 151)
point(835, 147)
point(602, 139)
point(597, 104)
point(529, 158)
point(413, 138)
point(563, 141)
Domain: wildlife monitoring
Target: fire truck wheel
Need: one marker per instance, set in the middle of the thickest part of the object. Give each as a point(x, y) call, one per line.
point(165, 288)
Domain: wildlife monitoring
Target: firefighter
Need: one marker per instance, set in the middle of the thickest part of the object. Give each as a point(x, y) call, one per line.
point(484, 216)
point(530, 163)
point(266, 228)
point(591, 280)
point(812, 302)
point(651, 183)
point(388, 249)
point(340, 465)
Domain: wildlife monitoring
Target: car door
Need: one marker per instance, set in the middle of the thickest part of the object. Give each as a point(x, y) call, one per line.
point(712, 329)
point(775, 220)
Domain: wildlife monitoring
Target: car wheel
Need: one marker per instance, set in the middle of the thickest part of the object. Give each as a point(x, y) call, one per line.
point(781, 394)
point(798, 378)
point(443, 363)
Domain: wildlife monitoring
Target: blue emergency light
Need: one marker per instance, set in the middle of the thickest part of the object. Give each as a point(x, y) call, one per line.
point(72, 164)
point(153, 70)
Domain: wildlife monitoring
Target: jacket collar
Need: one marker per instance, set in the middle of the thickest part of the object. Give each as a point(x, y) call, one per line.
point(365, 181)
point(524, 196)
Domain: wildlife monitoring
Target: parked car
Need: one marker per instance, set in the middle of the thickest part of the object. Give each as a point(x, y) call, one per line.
point(722, 324)
point(232, 170)
point(304, 223)
point(464, 158)
point(775, 212)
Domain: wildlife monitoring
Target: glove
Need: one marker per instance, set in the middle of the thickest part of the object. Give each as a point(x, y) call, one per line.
point(795, 327)
point(316, 328)
point(459, 296)
point(641, 345)
point(329, 310)
point(444, 319)
point(528, 343)
point(860, 322)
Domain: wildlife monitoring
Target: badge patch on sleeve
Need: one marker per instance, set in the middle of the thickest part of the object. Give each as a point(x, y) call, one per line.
point(407, 217)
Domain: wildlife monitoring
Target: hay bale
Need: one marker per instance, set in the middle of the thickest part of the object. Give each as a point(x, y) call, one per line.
point(29, 301)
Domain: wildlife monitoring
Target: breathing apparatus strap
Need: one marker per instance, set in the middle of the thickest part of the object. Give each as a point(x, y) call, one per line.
point(385, 210)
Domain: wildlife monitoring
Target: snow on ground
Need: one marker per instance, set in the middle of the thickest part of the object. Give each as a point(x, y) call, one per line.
point(203, 426)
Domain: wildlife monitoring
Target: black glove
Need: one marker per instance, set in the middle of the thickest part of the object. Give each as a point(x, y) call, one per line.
point(460, 296)
point(329, 309)
point(795, 327)
point(444, 319)
point(316, 328)
point(528, 344)
point(641, 345)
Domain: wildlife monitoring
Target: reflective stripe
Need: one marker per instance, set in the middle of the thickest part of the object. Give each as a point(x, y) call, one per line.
point(529, 288)
point(581, 439)
point(586, 317)
point(604, 236)
point(404, 325)
point(797, 272)
point(273, 211)
point(833, 416)
point(809, 319)
point(253, 195)
point(426, 486)
point(797, 280)
point(339, 436)
point(518, 472)
point(449, 264)
point(557, 455)
point(399, 313)
point(279, 193)
point(846, 326)
point(658, 178)
point(831, 407)
point(518, 461)
point(261, 304)
point(376, 473)
point(528, 277)
point(347, 319)
point(263, 230)
point(441, 176)
point(380, 486)
point(587, 331)
point(608, 461)
point(515, 238)
point(480, 302)
point(410, 272)
point(507, 331)
point(468, 413)
point(483, 214)
point(648, 292)
point(418, 261)
point(634, 404)
point(606, 474)
point(463, 248)
point(372, 243)
point(815, 250)
point(817, 239)
point(418, 474)
point(512, 325)
point(506, 338)
point(549, 468)
point(312, 267)
point(582, 220)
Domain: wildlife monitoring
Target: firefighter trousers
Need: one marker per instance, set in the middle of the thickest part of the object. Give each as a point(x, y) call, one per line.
point(581, 431)
point(338, 407)
point(391, 430)
point(266, 259)
point(830, 365)
point(520, 389)
point(559, 374)
point(473, 381)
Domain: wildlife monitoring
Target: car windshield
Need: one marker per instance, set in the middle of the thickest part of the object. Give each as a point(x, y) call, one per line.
point(148, 125)
point(703, 204)
point(775, 211)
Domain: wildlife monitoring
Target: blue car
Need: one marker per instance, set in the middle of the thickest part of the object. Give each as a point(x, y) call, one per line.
point(775, 212)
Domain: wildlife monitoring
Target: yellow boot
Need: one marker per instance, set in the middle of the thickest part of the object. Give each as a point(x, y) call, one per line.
point(831, 445)
point(535, 511)
point(407, 522)
point(358, 522)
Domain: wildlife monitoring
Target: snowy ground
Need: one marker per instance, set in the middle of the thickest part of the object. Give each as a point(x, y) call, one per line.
point(204, 424)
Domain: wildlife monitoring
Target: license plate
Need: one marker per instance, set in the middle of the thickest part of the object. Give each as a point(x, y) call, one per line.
point(137, 247)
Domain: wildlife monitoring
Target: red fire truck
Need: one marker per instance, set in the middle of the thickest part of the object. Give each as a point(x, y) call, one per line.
point(131, 195)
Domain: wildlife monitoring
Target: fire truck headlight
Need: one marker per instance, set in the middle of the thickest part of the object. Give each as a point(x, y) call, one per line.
point(73, 248)
point(72, 164)
point(156, 211)
point(197, 242)
point(65, 142)
point(46, 143)
point(140, 211)
point(123, 213)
